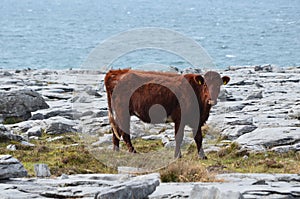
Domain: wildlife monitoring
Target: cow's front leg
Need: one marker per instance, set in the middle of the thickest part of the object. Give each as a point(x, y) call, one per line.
point(179, 131)
point(127, 140)
point(198, 139)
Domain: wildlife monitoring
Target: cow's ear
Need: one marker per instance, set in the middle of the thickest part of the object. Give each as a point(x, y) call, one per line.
point(199, 79)
point(225, 79)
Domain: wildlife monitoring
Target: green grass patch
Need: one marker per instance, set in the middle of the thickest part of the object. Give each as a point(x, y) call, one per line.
point(62, 156)
point(70, 156)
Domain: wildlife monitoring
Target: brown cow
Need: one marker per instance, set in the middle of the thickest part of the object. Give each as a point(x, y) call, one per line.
point(157, 97)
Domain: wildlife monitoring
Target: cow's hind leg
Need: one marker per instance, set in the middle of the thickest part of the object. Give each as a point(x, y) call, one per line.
point(116, 133)
point(125, 132)
point(179, 131)
point(116, 139)
point(128, 143)
point(198, 139)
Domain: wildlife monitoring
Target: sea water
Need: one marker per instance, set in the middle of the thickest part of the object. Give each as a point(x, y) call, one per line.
point(61, 34)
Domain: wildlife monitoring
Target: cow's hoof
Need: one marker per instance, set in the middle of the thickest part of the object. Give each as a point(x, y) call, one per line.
point(177, 156)
point(116, 148)
point(203, 157)
point(132, 150)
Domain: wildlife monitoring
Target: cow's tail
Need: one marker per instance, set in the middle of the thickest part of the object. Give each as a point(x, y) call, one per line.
point(109, 89)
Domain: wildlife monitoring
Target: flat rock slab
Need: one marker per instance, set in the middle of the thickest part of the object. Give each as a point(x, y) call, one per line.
point(270, 137)
point(235, 186)
point(81, 186)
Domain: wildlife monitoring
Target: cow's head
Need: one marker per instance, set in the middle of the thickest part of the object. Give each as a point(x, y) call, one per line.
point(214, 81)
point(200, 87)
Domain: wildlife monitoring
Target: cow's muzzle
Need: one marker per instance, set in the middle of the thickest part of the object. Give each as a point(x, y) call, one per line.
point(211, 102)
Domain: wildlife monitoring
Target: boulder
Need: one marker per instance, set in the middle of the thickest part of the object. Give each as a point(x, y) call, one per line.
point(138, 187)
point(19, 104)
point(11, 168)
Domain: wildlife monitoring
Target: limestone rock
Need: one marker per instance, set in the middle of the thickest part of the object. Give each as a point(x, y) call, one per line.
point(11, 168)
point(235, 132)
point(6, 134)
point(20, 103)
point(255, 96)
point(42, 170)
point(213, 193)
point(60, 125)
point(138, 187)
point(34, 131)
point(270, 137)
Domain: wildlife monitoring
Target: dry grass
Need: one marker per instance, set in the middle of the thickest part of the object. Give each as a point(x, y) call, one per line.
point(64, 157)
point(184, 170)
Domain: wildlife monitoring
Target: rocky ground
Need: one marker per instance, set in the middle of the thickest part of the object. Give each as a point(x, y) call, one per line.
point(259, 109)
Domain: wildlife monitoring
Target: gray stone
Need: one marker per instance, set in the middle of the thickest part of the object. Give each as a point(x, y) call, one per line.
point(11, 168)
point(81, 98)
point(238, 107)
point(102, 113)
point(265, 68)
point(105, 139)
point(224, 95)
point(64, 176)
point(6, 134)
point(247, 121)
point(67, 112)
point(138, 187)
point(241, 83)
point(91, 91)
point(152, 137)
point(213, 193)
point(55, 138)
point(20, 103)
point(254, 96)
point(56, 128)
point(11, 147)
point(234, 132)
point(34, 131)
point(25, 143)
point(57, 96)
point(60, 125)
point(6, 73)
point(287, 148)
point(270, 137)
point(42, 170)
point(37, 116)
